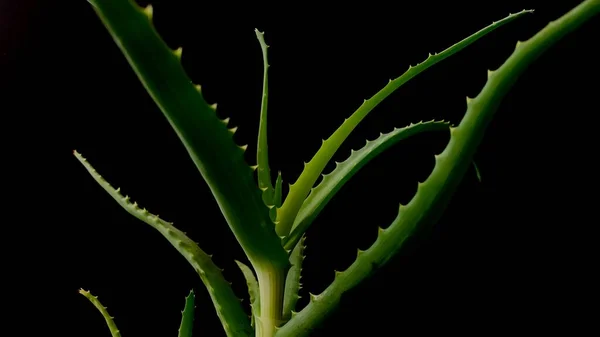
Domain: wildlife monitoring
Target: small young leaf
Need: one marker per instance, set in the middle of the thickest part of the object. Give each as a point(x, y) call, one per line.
point(187, 316)
point(278, 190)
point(300, 189)
point(292, 282)
point(253, 290)
point(114, 331)
point(277, 194)
point(262, 152)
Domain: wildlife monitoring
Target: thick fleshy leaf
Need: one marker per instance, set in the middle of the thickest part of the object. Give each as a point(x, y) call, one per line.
point(332, 182)
point(114, 331)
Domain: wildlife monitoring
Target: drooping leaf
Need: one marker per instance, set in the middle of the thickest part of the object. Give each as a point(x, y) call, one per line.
point(187, 316)
point(226, 303)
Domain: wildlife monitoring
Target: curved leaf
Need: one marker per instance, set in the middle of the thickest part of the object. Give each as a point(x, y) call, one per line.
point(332, 182)
point(253, 290)
point(187, 316)
point(300, 189)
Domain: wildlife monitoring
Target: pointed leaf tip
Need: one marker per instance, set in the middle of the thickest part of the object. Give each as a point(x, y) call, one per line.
point(178, 52)
point(149, 11)
point(229, 310)
point(262, 151)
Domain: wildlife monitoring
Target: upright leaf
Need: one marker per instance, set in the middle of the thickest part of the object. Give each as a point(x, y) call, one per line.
point(332, 182)
point(206, 138)
point(253, 290)
point(262, 151)
point(227, 305)
point(277, 195)
point(278, 190)
point(187, 316)
point(292, 282)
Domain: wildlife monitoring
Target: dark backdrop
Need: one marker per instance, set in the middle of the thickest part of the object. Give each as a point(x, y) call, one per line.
point(509, 254)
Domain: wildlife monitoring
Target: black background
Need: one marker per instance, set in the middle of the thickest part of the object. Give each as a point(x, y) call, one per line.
point(510, 253)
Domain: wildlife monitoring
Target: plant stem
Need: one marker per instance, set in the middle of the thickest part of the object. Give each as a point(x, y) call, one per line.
point(271, 283)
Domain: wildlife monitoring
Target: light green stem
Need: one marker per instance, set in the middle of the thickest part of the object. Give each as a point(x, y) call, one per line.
point(271, 282)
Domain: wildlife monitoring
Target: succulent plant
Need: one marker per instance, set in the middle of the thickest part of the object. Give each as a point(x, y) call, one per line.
point(269, 226)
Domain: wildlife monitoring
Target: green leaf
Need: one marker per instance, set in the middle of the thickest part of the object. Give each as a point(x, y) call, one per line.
point(332, 182)
point(277, 194)
point(187, 316)
point(278, 189)
point(292, 282)
point(114, 331)
point(300, 189)
point(253, 290)
point(433, 194)
point(227, 305)
point(262, 151)
point(206, 138)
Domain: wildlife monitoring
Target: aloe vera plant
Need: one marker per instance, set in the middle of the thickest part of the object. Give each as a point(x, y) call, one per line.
point(269, 226)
